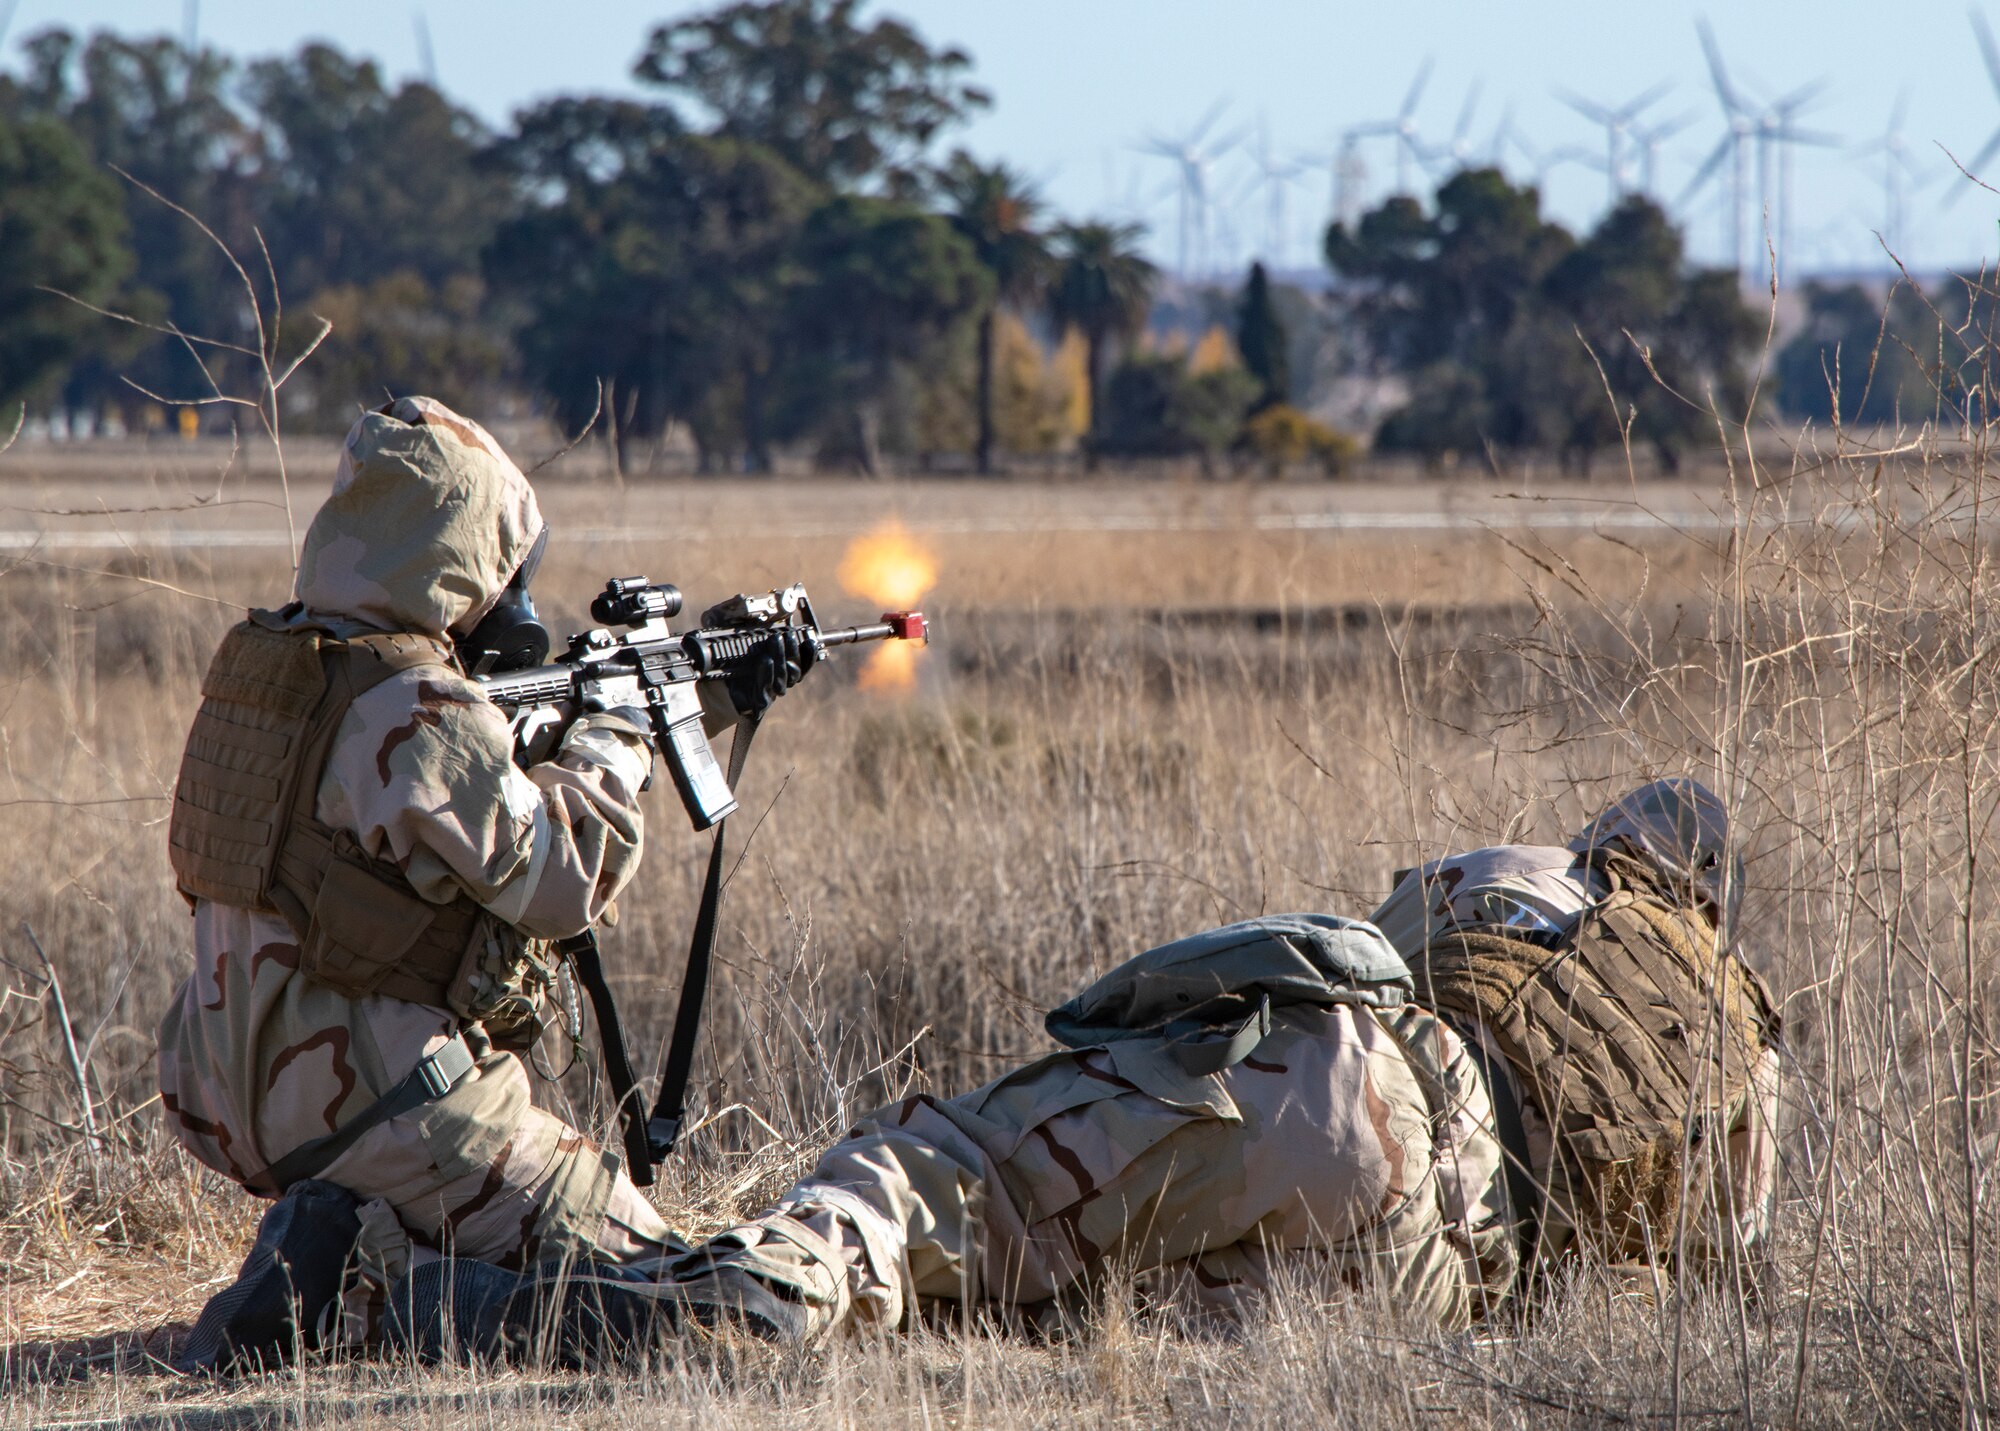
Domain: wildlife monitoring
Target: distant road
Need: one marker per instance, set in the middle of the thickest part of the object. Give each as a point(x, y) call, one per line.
point(72, 516)
point(182, 538)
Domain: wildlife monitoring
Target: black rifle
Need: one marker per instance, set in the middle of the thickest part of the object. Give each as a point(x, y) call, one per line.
point(647, 667)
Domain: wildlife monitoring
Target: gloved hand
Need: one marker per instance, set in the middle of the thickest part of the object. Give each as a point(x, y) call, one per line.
point(779, 663)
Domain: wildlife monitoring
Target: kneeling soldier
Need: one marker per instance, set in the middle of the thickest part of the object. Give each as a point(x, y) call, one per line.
point(375, 886)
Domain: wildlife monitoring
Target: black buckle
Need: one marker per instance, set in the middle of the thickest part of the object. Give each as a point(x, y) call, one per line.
point(433, 1076)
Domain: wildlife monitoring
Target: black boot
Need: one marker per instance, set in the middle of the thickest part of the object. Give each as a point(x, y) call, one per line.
point(572, 1315)
point(282, 1301)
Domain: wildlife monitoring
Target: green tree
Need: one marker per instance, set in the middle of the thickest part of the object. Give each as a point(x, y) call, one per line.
point(1156, 406)
point(61, 228)
point(1448, 284)
point(654, 267)
point(163, 115)
point(1262, 340)
point(398, 335)
point(1668, 341)
point(995, 210)
point(1509, 330)
point(1855, 356)
point(886, 283)
point(1103, 288)
point(840, 101)
point(360, 181)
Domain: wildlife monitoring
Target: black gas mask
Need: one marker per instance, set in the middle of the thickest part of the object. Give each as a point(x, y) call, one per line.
point(511, 636)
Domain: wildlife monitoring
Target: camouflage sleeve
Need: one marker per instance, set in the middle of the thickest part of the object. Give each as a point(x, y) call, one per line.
point(422, 773)
point(593, 827)
point(1465, 1141)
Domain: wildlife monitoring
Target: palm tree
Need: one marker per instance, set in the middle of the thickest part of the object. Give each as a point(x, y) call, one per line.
point(1103, 288)
point(995, 209)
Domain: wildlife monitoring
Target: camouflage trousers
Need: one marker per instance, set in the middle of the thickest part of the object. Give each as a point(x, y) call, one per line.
point(1320, 1153)
point(491, 1177)
point(255, 1061)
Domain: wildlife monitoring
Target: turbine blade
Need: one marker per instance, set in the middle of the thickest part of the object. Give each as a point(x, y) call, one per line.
point(1979, 161)
point(1989, 51)
point(1416, 89)
point(1465, 113)
point(1985, 156)
point(1668, 128)
point(1589, 109)
point(1798, 98)
point(1709, 166)
point(1718, 75)
point(1645, 100)
point(1207, 120)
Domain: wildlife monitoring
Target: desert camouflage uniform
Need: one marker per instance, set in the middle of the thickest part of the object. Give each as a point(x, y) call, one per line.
point(1317, 1154)
point(426, 523)
point(1546, 889)
point(1317, 1151)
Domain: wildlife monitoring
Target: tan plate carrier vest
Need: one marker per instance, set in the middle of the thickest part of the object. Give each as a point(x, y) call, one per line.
point(244, 831)
point(1634, 1039)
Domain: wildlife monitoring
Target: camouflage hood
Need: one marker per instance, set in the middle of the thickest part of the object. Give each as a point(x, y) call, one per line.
point(427, 522)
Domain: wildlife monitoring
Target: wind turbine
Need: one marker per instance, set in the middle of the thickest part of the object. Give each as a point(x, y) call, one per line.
point(1460, 150)
point(1349, 175)
point(1897, 169)
point(1409, 149)
point(1273, 176)
point(1740, 125)
point(1648, 138)
point(1617, 124)
point(426, 55)
point(1989, 52)
point(1193, 156)
point(1776, 131)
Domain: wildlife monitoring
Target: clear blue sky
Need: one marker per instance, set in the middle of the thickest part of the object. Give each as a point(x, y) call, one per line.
point(1078, 83)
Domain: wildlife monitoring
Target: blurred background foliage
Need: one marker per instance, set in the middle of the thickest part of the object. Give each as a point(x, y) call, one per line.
point(779, 254)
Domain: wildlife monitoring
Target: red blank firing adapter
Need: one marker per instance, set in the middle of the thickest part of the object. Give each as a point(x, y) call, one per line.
point(908, 625)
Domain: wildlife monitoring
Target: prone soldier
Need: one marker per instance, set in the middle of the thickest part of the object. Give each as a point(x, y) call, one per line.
point(1553, 1054)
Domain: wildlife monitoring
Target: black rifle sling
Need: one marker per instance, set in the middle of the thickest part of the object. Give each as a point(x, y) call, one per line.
point(584, 957)
point(670, 1107)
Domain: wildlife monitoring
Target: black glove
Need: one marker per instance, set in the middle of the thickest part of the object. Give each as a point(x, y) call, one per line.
point(777, 664)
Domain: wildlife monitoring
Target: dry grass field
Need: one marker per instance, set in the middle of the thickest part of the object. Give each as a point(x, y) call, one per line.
point(1150, 708)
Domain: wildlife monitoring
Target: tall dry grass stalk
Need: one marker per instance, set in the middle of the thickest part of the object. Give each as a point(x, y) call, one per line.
point(1071, 786)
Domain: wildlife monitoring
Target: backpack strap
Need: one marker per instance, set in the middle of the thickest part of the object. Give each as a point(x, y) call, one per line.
point(1524, 1197)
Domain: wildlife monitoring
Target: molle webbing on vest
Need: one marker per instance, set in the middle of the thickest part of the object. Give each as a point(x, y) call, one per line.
point(241, 766)
point(244, 831)
point(1634, 1040)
